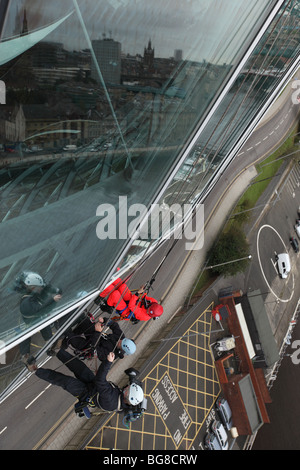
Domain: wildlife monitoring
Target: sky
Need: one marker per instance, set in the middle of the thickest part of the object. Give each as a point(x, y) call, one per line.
point(203, 29)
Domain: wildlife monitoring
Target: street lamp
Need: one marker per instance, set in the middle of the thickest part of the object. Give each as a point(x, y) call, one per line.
point(228, 262)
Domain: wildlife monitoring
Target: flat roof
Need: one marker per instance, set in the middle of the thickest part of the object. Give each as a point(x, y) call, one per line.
point(254, 305)
point(250, 402)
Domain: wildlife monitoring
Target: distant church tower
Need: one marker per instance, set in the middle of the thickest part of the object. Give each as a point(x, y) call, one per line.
point(17, 29)
point(149, 56)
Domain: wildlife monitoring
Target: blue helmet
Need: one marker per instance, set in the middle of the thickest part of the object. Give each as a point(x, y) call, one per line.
point(128, 346)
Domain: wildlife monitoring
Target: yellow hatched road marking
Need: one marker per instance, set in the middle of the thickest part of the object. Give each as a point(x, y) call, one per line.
point(195, 381)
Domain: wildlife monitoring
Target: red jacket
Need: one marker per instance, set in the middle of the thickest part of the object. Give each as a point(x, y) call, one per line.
point(126, 303)
point(137, 306)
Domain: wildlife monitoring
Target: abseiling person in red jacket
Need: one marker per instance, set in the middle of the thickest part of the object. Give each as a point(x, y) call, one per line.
point(129, 306)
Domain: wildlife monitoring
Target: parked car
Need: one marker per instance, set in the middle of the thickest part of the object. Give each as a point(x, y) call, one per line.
point(224, 411)
point(211, 442)
point(295, 244)
point(70, 148)
point(221, 434)
point(297, 227)
point(284, 265)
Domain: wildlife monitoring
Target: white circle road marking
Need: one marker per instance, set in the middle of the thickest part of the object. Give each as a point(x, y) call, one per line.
point(261, 268)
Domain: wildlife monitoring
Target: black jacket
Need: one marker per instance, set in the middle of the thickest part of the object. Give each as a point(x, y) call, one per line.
point(109, 396)
point(31, 307)
point(84, 336)
point(107, 343)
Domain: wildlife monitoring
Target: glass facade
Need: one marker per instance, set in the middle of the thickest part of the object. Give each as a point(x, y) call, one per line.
point(108, 104)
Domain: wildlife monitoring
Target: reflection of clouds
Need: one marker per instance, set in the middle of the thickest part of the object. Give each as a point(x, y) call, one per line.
point(203, 29)
point(117, 3)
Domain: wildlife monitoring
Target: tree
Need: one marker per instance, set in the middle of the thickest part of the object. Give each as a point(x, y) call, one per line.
point(231, 245)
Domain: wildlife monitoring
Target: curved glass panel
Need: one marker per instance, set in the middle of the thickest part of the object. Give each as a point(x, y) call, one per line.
point(97, 114)
point(272, 58)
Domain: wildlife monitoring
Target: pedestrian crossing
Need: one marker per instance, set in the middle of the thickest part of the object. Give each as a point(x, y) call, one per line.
point(292, 183)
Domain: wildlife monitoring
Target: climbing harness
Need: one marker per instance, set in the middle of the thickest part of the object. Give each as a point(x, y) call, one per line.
point(81, 409)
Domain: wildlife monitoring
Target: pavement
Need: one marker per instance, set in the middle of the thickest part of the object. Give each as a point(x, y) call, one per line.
point(71, 431)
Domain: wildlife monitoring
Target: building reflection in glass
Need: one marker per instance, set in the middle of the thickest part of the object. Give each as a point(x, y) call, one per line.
point(102, 100)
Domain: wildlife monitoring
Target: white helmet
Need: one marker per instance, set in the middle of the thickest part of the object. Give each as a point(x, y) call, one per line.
point(128, 346)
point(134, 394)
point(33, 280)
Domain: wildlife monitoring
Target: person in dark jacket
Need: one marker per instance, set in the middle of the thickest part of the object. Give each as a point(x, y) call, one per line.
point(95, 390)
point(37, 296)
point(88, 336)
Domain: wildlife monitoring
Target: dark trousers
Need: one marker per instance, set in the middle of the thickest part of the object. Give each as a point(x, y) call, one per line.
point(25, 345)
point(81, 386)
point(79, 337)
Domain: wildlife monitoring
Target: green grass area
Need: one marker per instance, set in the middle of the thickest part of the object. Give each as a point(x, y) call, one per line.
point(266, 170)
point(206, 278)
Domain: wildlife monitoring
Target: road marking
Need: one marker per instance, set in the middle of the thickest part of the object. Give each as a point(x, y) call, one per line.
point(250, 148)
point(38, 396)
point(258, 143)
point(4, 429)
point(274, 265)
point(266, 138)
point(293, 180)
point(261, 268)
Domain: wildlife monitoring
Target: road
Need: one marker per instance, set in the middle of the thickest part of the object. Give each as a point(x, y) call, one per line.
point(272, 236)
point(37, 407)
point(283, 431)
point(183, 364)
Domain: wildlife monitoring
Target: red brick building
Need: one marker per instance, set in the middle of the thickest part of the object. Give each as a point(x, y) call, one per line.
point(246, 389)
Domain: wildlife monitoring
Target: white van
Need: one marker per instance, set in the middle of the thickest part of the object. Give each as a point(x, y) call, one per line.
point(297, 228)
point(284, 265)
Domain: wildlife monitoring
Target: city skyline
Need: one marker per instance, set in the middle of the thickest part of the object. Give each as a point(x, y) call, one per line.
point(168, 32)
